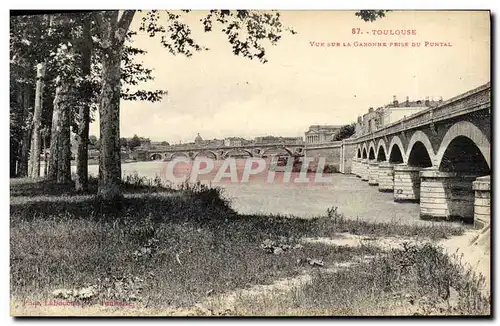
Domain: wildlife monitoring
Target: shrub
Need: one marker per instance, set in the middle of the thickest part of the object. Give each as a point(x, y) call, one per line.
point(333, 214)
point(330, 168)
point(210, 197)
point(135, 182)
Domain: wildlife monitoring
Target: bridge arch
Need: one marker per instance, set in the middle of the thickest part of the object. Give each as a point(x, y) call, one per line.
point(358, 152)
point(257, 151)
point(178, 154)
point(212, 154)
point(156, 157)
point(297, 151)
point(420, 151)
point(364, 151)
point(396, 151)
point(235, 150)
point(381, 151)
point(464, 148)
point(264, 152)
point(372, 151)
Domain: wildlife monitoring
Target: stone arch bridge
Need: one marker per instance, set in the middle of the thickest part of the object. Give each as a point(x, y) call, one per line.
point(222, 152)
point(439, 157)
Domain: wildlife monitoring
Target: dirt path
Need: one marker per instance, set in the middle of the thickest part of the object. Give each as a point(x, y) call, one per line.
point(226, 304)
point(353, 240)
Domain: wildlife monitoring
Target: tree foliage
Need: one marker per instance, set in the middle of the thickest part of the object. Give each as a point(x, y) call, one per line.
point(134, 142)
point(246, 30)
point(32, 41)
point(371, 15)
point(123, 142)
point(58, 40)
point(345, 131)
point(93, 142)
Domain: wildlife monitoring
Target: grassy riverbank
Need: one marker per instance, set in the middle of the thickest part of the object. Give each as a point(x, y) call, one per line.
point(163, 249)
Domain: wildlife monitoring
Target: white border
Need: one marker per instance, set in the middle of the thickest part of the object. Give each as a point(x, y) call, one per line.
point(178, 4)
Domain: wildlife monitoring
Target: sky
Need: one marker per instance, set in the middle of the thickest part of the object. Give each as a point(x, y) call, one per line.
point(218, 94)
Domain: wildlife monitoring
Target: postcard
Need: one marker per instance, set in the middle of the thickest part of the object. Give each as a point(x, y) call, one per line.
point(250, 163)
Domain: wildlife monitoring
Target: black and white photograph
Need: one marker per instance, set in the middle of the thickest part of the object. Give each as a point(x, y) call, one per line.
point(242, 163)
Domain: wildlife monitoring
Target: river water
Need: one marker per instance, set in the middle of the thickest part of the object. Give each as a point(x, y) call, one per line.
point(353, 197)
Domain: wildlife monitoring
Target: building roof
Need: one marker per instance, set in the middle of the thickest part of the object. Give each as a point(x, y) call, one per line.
point(198, 138)
point(322, 128)
point(416, 103)
point(235, 138)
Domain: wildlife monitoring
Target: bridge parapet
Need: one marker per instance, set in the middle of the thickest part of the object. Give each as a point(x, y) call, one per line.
point(333, 144)
point(214, 148)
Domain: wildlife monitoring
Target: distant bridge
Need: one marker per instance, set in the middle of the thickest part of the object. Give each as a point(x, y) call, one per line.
point(222, 152)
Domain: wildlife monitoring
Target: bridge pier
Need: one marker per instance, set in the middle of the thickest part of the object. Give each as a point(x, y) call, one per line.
point(373, 173)
point(359, 167)
point(364, 169)
point(356, 167)
point(406, 183)
point(385, 177)
point(482, 200)
point(447, 195)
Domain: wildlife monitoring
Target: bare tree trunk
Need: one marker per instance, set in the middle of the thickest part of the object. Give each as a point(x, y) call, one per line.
point(17, 112)
point(64, 161)
point(82, 156)
point(82, 178)
point(45, 156)
point(34, 161)
point(25, 151)
point(113, 32)
point(25, 145)
point(82, 137)
point(54, 139)
point(109, 113)
point(60, 145)
point(13, 157)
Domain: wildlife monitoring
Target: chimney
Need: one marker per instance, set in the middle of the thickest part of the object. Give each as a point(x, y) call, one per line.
point(360, 119)
point(395, 101)
point(426, 101)
point(407, 101)
point(440, 99)
point(370, 110)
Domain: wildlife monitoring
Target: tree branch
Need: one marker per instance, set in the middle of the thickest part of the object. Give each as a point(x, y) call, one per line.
point(124, 24)
point(99, 22)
